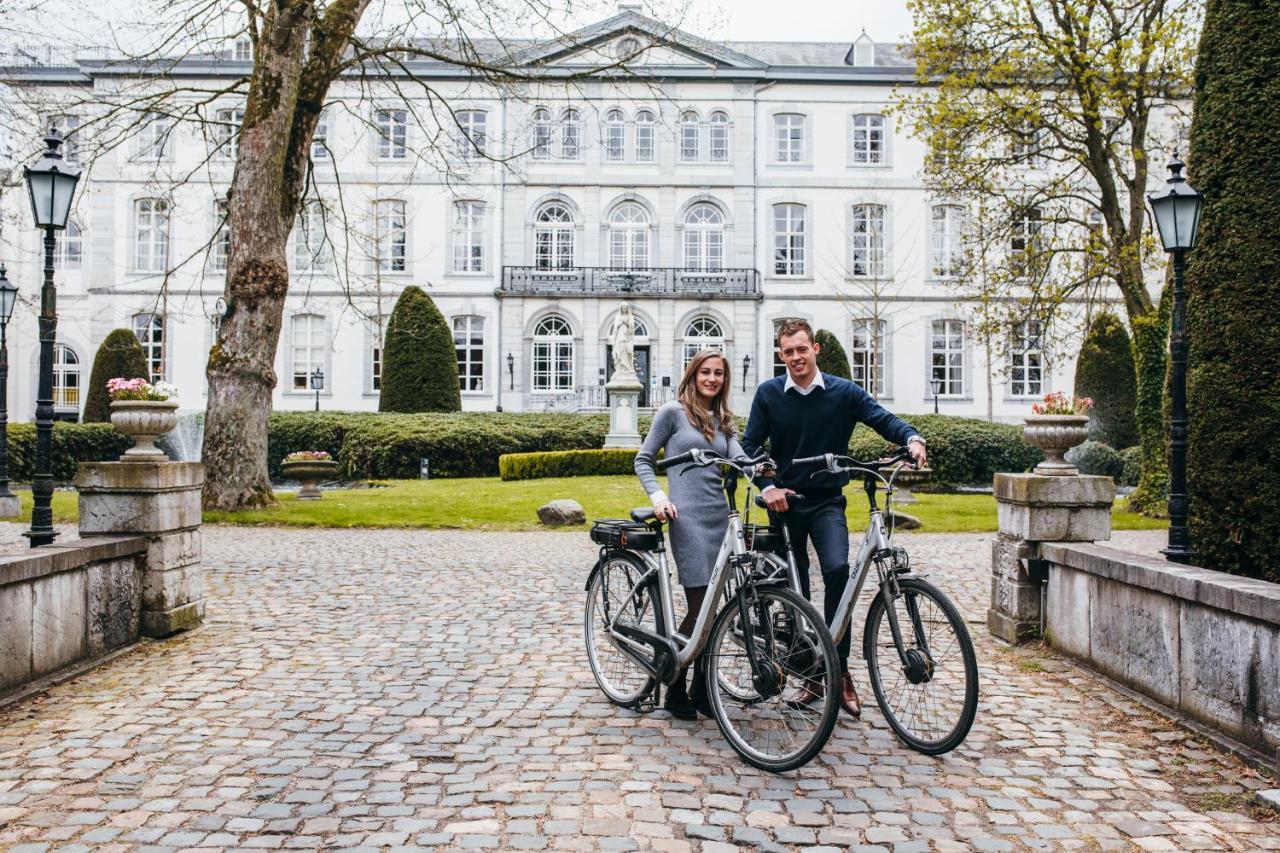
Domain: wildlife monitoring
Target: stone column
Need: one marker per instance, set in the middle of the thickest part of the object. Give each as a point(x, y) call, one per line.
point(624, 411)
point(1031, 509)
point(160, 501)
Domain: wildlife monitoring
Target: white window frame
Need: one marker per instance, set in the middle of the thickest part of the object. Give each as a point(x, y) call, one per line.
point(468, 236)
point(868, 342)
point(220, 250)
point(227, 133)
point(307, 353)
point(790, 138)
point(151, 333)
point(542, 135)
point(719, 136)
point(320, 137)
point(152, 144)
point(790, 244)
point(391, 126)
point(69, 251)
point(390, 221)
point(646, 147)
point(867, 256)
point(553, 346)
point(66, 365)
point(570, 135)
point(690, 138)
point(151, 232)
point(704, 238)
point(948, 357)
point(1023, 233)
point(701, 332)
point(469, 345)
point(473, 138)
point(629, 226)
point(946, 240)
point(869, 140)
point(1026, 357)
point(311, 250)
point(554, 239)
point(615, 136)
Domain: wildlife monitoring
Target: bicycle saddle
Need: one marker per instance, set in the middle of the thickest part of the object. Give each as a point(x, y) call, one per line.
point(642, 514)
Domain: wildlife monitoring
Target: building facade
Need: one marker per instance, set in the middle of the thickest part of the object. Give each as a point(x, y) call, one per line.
point(719, 187)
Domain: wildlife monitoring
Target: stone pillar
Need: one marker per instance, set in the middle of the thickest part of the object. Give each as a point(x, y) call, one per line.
point(1031, 509)
point(160, 501)
point(624, 412)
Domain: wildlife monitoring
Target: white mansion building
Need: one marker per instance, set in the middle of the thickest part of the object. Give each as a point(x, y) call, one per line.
point(719, 187)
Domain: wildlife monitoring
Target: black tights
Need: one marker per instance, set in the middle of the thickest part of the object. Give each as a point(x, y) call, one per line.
point(693, 596)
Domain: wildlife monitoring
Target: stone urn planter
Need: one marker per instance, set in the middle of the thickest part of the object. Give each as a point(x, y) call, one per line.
point(144, 421)
point(310, 473)
point(1055, 435)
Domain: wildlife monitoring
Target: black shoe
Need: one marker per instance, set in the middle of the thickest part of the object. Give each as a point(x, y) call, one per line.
point(677, 702)
point(699, 697)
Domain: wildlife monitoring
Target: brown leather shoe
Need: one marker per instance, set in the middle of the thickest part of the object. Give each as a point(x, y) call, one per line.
point(804, 693)
point(849, 697)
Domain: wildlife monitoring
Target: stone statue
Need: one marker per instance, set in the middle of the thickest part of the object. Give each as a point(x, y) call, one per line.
point(622, 337)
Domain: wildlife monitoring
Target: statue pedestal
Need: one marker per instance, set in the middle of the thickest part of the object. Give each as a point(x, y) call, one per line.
point(624, 411)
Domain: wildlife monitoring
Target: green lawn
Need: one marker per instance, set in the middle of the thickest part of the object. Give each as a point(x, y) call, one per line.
point(491, 504)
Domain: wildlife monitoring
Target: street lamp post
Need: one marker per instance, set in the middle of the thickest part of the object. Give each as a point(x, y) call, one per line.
point(8, 298)
point(317, 382)
point(51, 184)
point(1176, 210)
point(746, 368)
point(936, 384)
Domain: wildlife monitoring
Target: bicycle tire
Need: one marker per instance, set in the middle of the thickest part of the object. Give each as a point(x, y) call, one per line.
point(623, 681)
point(823, 665)
point(950, 738)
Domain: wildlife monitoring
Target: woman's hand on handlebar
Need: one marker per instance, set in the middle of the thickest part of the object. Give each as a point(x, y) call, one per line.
point(665, 510)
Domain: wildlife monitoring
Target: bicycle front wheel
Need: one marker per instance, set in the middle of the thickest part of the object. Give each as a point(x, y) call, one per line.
point(771, 674)
point(927, 688)
point(612, 594)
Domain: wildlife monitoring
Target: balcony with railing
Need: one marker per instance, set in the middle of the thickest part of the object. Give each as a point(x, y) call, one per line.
point(647, 281)
point(590, 398)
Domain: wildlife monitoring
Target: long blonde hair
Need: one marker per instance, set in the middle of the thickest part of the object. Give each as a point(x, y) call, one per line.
point(687, 393)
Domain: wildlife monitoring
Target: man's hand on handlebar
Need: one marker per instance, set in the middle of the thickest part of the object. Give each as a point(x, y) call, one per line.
point(918, 455)
point(776, 498)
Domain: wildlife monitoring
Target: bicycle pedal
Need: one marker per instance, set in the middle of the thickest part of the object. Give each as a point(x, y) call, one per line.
point(649, 702)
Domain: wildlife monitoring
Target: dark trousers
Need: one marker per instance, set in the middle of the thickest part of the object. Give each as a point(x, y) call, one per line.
point(824, 522)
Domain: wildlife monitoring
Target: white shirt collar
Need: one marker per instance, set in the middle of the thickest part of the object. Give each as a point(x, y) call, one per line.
point(816, 383)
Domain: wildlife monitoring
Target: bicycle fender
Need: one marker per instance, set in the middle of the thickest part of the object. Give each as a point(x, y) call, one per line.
point(605, 556)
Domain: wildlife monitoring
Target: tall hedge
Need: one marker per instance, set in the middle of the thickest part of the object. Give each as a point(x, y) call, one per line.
point(1233, 287)
point(831, 356)
point(1104, 371)
point(119, 355)
point(419, 362)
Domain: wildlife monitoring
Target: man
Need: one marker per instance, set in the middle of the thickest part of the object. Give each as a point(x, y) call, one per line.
point(808, 413)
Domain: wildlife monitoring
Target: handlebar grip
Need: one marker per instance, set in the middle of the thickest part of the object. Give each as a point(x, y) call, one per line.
point(810, 459)
point(679, 459)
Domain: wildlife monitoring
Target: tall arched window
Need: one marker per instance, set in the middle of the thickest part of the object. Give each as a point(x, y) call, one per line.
point(570, 135)
point(151, 234)
point(553, 355)
point(629, 237)
point(541, 134)
point(644, 136)
point(703, 332)
point(704, 238)
point(66, 378)
point(553, 237)
point(70, 247)
point(690, 133)
point(719, 137)
point(615, 135)
point(866, 255)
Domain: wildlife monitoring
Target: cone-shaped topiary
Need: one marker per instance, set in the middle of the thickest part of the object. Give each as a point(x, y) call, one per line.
point(120, 355)
point(1233, 286)
point(1104, 371)
point(419, 362)
point(831, 357)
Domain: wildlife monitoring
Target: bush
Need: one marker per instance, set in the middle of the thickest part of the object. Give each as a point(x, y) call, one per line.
point(1105, 372)
point(289, 432)
point(419, 363)
point(831, 356)
point(1097, 458)
point(119, 355)
point(72, 444)
point(962, 451)
point(566, 463)
point(1131, 457)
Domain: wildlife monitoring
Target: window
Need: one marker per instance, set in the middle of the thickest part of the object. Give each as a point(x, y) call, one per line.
point(704, 238)
point(788, 239)
point(947, 357)
point(864, 51)
point(377, 336)
point(389, 235)
point(311, 251)
point(153, 137)
point(306, 349)
point(553, 238)
point(570, 135)
point(628, 237)
point(719, 137)
point(220, 251)
point(1026, 360)
point(70, 247)
point(472, 137)
point(701, 333)
point(866, 355)
point(468, 236)
point(151, 234)
point(868, 140)
point(615, 135)
point(788, 138)
point(393, 134)
point(644, 136)
point(690, 134)
point(553, 355)
point(1022, 239)
point(867, 241)
point(541, 134)
point(67, 126)
point(1028, 146)
point(66, 378)
point(320, 138)
point(242, 51)
point(149, 329)
point(468, 340)
point(947, 240)
point(227, 133)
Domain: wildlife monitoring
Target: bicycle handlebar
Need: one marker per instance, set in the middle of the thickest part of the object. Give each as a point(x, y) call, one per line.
point(836, 463)
point(664, 464)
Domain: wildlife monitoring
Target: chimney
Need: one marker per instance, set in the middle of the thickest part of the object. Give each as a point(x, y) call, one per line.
point(637, 8)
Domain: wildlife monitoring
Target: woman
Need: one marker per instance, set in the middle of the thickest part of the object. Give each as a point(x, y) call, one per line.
point(699, 417)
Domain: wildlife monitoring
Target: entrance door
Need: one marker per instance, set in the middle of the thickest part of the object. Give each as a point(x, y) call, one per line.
point(642, 369)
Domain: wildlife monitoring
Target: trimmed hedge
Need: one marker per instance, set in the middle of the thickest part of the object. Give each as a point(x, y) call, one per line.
point(962, 451)
point(1131, 457)
point(831, 356)
point(1097, 458)
point(1105, 372)
point(72, 444)
point(419, 364)
point(119, 356)
point(566, 463)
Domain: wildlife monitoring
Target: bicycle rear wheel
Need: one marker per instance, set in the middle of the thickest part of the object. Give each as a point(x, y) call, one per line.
point(618, 675)
point(760, 708)
point(930, 701)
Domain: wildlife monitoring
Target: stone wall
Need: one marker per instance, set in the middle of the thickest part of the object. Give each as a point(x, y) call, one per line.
point(67, 603)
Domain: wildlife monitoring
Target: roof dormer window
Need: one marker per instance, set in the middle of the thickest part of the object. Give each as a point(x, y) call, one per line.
point(863, 52)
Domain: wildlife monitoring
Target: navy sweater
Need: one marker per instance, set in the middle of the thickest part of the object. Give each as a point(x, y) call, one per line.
point(797, 425)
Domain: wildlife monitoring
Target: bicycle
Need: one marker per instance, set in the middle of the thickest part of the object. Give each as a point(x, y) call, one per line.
point(928, 697)
point(763, 641)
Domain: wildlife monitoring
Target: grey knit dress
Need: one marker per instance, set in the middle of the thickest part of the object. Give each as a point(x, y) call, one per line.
point(701, 512)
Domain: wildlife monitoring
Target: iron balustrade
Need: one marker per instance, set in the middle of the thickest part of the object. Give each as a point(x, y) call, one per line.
point(647, 281)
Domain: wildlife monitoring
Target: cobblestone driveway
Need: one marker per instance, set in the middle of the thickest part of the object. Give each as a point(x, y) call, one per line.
point(402, 689)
